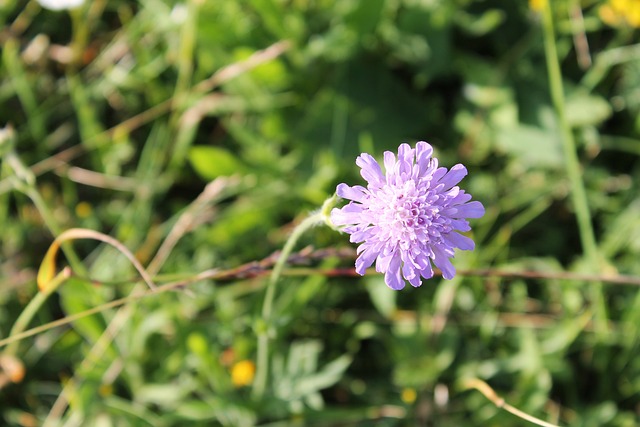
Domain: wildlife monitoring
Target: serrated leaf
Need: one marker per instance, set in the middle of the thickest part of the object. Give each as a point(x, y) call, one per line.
point(328, 376)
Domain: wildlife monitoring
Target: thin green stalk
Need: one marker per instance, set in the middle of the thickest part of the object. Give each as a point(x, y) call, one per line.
point(25, 182)
point(184, 131)
point(578, 193)
point(187, 49)
point(24, 89)
point(262, 364)
point(32, 308)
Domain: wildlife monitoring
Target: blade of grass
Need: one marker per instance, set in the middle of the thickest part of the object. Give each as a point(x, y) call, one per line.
point(24, 89)
point(578, 193)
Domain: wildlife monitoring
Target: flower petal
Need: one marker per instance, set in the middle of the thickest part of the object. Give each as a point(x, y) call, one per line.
point(460, 224)
point(471, 210)
point(405, 161)
point(441, 260)
point(392, 276)
point(348, 214)
point(411, 275)
point(356, 193)
point(459, 241)
point(423, 152)
point(427, 272)
point(454, 176)
point(383, 261)
point(365, 260)
point(390, 166)
point(370, 170)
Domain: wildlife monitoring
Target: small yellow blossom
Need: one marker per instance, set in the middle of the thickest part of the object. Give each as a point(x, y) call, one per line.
point(83, 210)
point(242, 373)
point(105, 390)
point(409, 395)
point(537, 5)
point(621, 12)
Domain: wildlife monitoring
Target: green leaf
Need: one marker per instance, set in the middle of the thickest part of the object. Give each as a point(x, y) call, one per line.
point(76, 296)
point(166, 395)
point(365, 17)
point(299, 378)
point(586, 110)
point(227, 412)
point(480, 25)
point(196, 410)
point(212, 162)
point(383, 297)
point(531, 145)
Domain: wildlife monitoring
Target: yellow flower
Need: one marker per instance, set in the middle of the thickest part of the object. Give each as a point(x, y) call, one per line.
point(621, 12)
point(409, 395)
point(242, 373)
point(537, 5)
point(83, 210)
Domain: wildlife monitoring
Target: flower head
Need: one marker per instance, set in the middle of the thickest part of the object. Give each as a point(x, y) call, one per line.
point(618, 13)
point(409, 217)
point(242, 373)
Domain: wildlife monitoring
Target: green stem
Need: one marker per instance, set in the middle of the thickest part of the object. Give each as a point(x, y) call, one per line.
point(185, 133)
point(262, 365)
point(32, 308)
point(25, 182)
point(578, 193)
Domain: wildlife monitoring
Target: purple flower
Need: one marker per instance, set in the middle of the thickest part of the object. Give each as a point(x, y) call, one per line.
point(407, 218)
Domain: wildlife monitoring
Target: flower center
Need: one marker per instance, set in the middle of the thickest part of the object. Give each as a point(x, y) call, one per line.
point(405, 215)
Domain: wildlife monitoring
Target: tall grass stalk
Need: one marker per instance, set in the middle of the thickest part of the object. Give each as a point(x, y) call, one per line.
point(572, 164)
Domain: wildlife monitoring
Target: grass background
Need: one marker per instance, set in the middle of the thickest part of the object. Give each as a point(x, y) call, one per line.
point(119, 114)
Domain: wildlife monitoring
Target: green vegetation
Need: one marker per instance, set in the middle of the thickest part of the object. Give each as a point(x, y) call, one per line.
point(195, 136)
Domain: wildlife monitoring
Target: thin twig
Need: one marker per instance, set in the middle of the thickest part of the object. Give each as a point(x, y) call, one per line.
point(263, 268)
point(209, 274)
point(97, 179)
point(490, 394)
point(188, 219)
point(618, 279)
point(84, 233)
point(580, 40)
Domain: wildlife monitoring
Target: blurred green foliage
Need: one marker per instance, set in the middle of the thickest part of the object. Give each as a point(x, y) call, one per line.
point(119, 126)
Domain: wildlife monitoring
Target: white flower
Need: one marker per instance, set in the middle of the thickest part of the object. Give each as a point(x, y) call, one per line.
point(60, 4)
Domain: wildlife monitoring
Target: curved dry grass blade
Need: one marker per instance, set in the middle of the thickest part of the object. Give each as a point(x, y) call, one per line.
point(48, 265)
point(489, 393)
